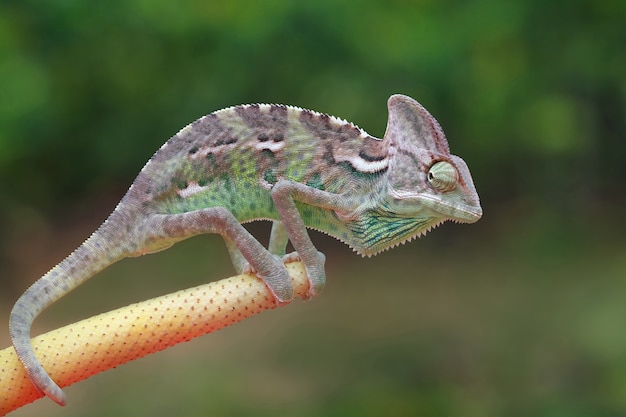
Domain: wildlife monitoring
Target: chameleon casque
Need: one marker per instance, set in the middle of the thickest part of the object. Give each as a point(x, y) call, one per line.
point(295, 167)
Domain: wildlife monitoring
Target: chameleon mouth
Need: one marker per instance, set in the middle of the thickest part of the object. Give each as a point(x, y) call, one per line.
point(469, 212)
point(470, 215)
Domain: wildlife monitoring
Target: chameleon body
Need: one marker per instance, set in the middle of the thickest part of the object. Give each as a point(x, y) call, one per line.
point(298, 168)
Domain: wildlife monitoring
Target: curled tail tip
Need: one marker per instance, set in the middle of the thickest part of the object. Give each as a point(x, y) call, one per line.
point(35, 372)
point(50, 389)
point(57, 395)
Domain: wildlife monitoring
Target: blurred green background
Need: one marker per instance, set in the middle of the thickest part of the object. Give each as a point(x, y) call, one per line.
point(521, 314)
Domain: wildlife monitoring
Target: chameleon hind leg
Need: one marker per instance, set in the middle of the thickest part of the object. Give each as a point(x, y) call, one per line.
point(236, 257)
point(278, 238)
point(244, 248)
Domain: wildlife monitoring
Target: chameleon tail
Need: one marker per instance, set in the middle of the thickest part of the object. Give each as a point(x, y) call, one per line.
point(95, 254)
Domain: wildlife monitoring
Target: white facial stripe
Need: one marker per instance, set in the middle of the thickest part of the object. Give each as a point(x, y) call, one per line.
point(371, 167)
point(407, 195)
point(270, 145)
point(192, 188)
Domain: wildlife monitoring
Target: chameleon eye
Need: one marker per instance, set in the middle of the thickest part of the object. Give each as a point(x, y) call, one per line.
point(442, 176)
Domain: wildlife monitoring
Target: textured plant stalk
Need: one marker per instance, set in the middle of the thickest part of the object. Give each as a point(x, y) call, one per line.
point(88, 347)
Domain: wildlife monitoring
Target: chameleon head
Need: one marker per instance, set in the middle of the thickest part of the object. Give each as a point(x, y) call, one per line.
point(441, 189)
point(425, 181)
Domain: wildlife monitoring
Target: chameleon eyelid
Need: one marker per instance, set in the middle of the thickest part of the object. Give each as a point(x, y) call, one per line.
point(443, 176)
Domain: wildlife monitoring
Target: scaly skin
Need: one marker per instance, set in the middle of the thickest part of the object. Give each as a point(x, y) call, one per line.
point(296, 167)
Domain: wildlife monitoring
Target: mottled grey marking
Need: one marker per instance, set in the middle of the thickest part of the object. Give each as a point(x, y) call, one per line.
point(265, 125)
point(225, 140)
point(371, 158)
point(327, 129)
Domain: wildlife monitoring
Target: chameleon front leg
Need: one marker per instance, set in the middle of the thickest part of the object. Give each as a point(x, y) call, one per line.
point(277, 246)
point(243, 247)
point(284, 194)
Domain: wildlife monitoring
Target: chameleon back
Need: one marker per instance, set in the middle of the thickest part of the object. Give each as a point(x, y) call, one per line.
point(245, 150)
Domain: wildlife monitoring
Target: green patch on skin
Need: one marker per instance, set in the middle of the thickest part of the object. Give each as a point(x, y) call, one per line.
point(306, 212)
point(179, 183)
point(270, 176)
point(267, 154)
point(211, 161)
point(316, 181)
point(226, 182)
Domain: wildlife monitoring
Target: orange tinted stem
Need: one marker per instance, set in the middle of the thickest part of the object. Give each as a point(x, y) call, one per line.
point(88, 347)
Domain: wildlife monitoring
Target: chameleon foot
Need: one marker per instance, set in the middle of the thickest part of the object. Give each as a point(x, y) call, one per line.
point(315, 273)
point(276, 278)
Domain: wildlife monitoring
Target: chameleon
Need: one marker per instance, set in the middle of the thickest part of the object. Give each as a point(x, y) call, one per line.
point(294, 167)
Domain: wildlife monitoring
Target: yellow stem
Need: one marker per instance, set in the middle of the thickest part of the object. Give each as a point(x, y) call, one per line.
point(88, 347)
